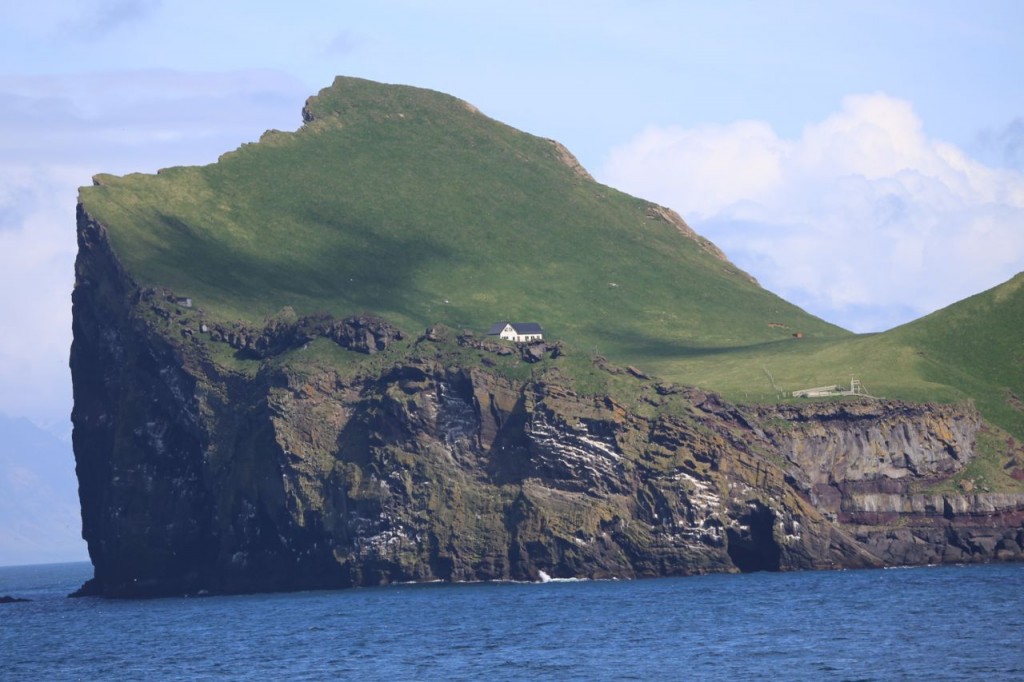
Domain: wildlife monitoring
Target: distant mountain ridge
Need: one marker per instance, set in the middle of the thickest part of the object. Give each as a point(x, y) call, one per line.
point(39, 512)
point(413, 205)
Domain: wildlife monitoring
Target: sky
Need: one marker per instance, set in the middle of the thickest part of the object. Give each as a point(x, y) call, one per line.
point(862, 159)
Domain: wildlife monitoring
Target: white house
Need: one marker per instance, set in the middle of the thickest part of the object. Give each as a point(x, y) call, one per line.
point(517, 331)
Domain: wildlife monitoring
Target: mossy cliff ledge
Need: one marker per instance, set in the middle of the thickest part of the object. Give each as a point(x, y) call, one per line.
point(315, 452)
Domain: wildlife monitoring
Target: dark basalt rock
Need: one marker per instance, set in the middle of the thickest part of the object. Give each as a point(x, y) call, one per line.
point(197, 478)
point(364, 333)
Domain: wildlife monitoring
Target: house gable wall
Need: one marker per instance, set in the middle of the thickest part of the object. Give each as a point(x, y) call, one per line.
point(510, 333)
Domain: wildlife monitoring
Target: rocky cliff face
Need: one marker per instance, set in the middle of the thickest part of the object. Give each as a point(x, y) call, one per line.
point(316, 452)
point(868, 466)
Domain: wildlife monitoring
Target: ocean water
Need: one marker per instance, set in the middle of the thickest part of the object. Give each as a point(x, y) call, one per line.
point(941, 623)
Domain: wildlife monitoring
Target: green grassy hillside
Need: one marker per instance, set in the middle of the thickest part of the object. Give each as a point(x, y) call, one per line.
point(413, 205)
point(976, 347)
point(971, 350)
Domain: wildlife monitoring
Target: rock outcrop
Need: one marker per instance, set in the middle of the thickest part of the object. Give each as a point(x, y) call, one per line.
point(868, 465)
point(222, 458)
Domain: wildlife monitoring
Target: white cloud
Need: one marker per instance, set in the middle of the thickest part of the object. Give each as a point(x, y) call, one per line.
point(141, 120)
point(37, 251)
point(58, 131)
point(863, 219)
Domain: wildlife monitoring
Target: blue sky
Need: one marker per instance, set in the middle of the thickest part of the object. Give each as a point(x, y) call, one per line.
point(862, 159)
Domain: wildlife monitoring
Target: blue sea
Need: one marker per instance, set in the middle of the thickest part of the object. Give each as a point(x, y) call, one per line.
point(941, 623)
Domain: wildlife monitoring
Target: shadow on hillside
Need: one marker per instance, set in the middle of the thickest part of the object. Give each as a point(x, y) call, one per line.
point(351, 268)
point(647, 346)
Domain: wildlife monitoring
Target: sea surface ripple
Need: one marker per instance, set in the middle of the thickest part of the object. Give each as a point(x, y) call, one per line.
point(941, 623)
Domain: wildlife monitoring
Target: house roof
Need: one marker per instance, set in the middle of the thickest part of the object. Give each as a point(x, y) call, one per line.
point(520, 327)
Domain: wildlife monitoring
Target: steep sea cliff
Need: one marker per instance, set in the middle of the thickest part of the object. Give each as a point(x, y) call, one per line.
point(319, 452)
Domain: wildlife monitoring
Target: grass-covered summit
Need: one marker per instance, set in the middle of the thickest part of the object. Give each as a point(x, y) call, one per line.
point(413, 205)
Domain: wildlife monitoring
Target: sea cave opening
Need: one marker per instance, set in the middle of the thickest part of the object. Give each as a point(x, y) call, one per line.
point(754, 549)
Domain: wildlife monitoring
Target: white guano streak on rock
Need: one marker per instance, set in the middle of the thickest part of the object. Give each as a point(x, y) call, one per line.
point(571, 448)
point(705, 504)
point(702, 494)
point(979, 503)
